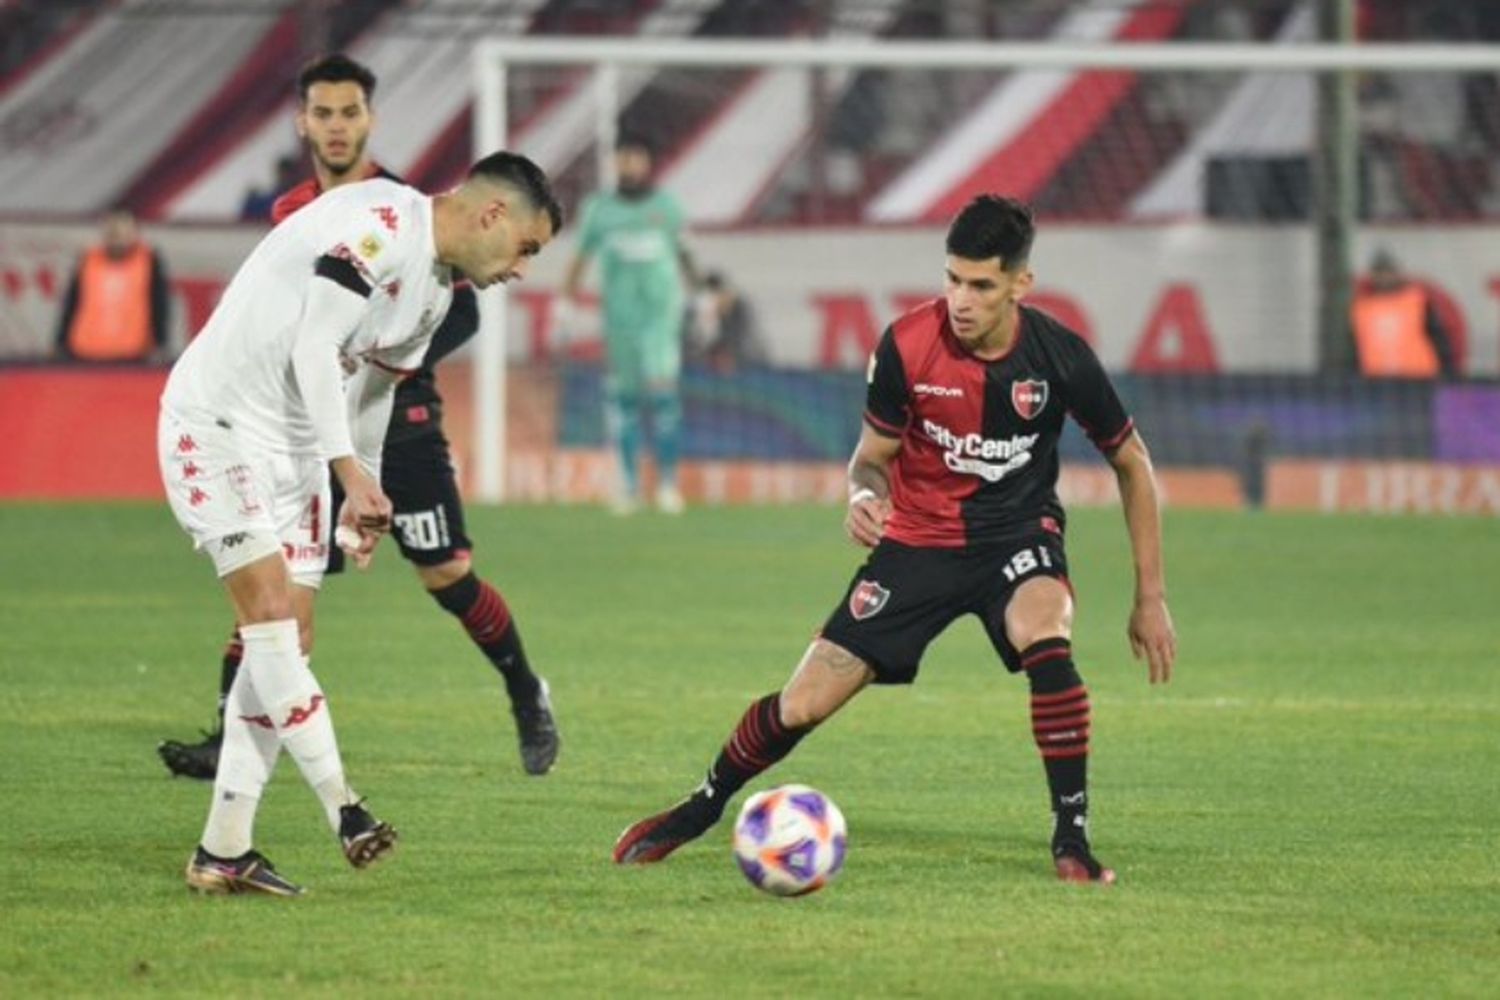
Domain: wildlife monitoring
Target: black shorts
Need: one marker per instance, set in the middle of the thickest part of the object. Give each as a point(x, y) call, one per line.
point(417, 474)
point(903, 597)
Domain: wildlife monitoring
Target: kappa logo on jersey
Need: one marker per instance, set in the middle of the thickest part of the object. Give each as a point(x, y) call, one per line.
point(867, 599)
point(1028, 396)
point(185, 444)
point(977, 455)
point(196, 496)
point(387, 216)
point(189, 470)
point(928, 389)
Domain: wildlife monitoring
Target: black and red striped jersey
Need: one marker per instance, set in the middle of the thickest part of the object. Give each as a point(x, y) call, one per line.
point(979, 439)
point(417, 405)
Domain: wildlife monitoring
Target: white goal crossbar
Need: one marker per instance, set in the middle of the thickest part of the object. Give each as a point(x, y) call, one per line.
point(491, 57)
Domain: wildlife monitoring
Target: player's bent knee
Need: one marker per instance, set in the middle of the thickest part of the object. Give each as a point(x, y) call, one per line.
point(828, 676)
point(261, 591)
point(1040, 609)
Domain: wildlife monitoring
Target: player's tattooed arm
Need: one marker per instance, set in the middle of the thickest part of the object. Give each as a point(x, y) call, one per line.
point(870, 487)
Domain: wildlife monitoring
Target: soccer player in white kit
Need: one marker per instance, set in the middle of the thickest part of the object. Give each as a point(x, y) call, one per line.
point(293, 373)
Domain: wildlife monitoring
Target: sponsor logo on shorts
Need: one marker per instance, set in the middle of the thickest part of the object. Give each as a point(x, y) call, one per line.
point(303, 553)
point(867, 599)
point(1028, 396)
point(235, 540)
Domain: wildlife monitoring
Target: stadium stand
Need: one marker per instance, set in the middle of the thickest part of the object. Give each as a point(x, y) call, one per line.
point(87, 123)
point(877, 146)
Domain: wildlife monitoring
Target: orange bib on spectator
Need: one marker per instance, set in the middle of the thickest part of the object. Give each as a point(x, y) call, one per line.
point(113, 318)
point(1390, 330)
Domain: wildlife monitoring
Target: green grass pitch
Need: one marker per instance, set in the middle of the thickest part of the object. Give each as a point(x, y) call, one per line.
point(1310, 809)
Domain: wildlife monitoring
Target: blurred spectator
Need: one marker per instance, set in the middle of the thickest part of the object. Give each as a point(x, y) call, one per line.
point(726, 334)
point(1397, 332)
point(116, 305)
point(258, 201)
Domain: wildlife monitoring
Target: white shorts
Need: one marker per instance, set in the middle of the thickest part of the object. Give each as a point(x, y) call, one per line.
point(241, 504)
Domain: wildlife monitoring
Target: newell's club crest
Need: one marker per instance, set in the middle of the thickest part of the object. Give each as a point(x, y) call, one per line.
point(1028, 396)
point(867, 599)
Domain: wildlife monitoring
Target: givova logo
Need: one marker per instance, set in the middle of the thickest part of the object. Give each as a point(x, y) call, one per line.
point(991, 459)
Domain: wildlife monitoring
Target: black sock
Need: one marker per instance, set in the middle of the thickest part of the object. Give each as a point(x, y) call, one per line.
point(234, 652)
point(484, 615)
point(1060, 722)
point(759, 741)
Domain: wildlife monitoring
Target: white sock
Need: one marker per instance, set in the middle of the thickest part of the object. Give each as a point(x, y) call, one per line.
point(231, 823)
point(333, 791)
point(289, 692)
point(246, 759)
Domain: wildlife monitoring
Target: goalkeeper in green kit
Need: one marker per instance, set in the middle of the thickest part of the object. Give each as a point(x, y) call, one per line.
point(636, 231)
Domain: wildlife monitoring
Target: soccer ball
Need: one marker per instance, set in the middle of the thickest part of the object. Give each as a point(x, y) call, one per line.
point(790, 840)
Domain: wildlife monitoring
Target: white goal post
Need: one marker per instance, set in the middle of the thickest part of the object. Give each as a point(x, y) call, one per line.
point(492, 56)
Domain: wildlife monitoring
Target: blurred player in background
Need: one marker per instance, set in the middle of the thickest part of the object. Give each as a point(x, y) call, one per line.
point(636, 231)
point(953, 485)
point(418, 475)
point(255, 414)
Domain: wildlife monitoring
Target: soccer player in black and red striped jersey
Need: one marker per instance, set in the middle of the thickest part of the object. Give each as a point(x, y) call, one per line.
point(334, 121)
point(954, 487)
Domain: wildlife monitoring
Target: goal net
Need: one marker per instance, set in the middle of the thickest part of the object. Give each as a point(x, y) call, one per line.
point(1207, 215)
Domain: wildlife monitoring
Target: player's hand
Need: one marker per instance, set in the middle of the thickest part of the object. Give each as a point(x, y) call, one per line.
point(864, 522)
point(358, 545)
point(366, 506)
point(1152, 636)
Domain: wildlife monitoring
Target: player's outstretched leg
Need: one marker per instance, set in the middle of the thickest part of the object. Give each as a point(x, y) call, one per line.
point(760, 740)
point(1060, 722)
point(487, 619)
point(201, 759)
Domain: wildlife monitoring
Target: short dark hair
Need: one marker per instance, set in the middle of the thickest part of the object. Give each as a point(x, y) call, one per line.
point(526, 177)
point(629, 139)
point(335, 68)
point(993, 226)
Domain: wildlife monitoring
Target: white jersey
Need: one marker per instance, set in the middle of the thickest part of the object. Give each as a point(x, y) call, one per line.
point(238, 372)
